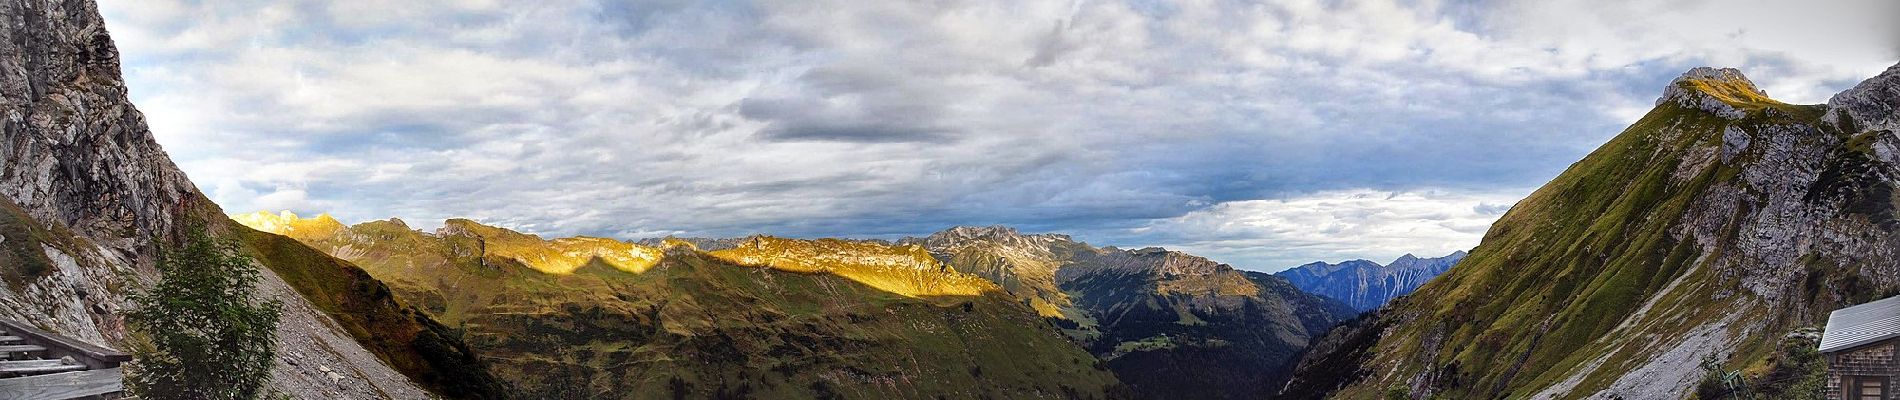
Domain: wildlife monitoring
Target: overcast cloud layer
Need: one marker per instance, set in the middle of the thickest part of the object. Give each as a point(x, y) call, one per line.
point(1263, 134)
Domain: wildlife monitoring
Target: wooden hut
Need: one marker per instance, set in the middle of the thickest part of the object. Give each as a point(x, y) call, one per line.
point(1859, 344)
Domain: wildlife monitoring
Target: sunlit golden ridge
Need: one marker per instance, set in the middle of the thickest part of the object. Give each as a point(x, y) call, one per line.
point(289, 224)
point(559, 256)
point(906, 270)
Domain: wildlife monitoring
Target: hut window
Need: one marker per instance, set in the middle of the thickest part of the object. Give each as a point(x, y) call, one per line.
point(1868, 388)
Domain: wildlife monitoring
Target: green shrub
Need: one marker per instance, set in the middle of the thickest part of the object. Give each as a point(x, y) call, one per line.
point(1799, 371)
point(208, 340)
point(1398, 392)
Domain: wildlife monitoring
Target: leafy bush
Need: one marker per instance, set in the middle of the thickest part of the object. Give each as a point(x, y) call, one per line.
point(208, 340)
point(1799, 371)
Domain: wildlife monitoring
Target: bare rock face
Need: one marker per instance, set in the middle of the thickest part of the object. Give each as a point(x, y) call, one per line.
point(78, 158)
point(87, 196)
point(76, 151)
point(1870, 106)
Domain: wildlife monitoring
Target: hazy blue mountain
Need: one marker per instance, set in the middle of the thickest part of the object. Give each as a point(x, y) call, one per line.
point(1366, 285)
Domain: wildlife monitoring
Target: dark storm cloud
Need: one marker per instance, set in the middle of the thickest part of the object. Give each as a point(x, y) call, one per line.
point(869, 103)
point(812, 119)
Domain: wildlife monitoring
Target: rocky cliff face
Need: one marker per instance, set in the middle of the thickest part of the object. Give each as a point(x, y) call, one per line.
point(87, 196)
point(1873, 105)
point(1713, 226)
point(1169, 324)
point(88, 188)
point(1366, 285)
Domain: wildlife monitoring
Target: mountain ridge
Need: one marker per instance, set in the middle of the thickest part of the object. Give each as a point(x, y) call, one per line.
point(1168, 323)
point(771, 317)
point(1213, 327)
point(1367, 285)
point(1709, 228)
point(901, 269)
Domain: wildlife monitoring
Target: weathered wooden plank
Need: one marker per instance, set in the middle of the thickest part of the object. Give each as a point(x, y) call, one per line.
point(85, 353)
point(36, 367)
point(10, 339)
point(62, 386)
point(21, 348)
point(32, 362)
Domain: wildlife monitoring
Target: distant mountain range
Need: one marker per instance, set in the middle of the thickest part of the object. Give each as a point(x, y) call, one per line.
point(991, 312)
point(763, 317)
point(1366, 285)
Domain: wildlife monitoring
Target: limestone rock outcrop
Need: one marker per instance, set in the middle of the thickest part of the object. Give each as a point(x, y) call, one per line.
point(87, 197)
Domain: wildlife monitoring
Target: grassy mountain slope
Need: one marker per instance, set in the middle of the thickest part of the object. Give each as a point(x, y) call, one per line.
point(402, 336)
point(1180, 326)
point(1169, 324)
point(765, 319)
point(1715, 224)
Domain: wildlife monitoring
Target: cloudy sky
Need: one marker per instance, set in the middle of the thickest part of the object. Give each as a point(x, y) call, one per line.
point(1264, 134)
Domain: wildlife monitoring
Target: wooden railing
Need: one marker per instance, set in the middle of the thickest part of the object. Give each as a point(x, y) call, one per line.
point(36, 364)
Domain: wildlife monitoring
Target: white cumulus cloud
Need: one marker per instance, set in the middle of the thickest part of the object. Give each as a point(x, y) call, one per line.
point(1272, 234)
point(1126, 121)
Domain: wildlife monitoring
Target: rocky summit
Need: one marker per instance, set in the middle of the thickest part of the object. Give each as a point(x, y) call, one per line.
point(1717, 224)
